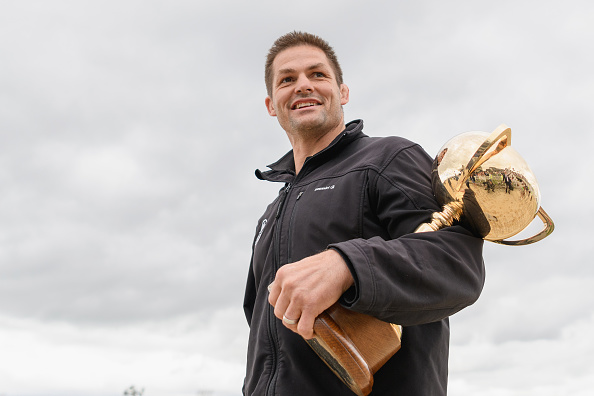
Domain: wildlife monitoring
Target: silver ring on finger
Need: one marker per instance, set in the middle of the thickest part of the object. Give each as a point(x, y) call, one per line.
point(290, 321)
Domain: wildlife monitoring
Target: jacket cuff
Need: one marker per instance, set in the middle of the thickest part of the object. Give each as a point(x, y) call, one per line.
point(349, 297)
point(351, 255)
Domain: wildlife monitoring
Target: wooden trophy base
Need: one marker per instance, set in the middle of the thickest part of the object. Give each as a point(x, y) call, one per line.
point(354, 345)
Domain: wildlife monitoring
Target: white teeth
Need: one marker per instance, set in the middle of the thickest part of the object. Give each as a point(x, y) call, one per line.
point(300, 105)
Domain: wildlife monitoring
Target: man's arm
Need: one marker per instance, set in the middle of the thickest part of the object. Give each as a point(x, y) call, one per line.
point(417, 278)
point(411, 278)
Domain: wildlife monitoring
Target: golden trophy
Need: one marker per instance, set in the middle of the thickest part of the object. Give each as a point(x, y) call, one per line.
point(481, 181)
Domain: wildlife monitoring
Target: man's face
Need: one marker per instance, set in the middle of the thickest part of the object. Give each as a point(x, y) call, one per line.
point(306, 98)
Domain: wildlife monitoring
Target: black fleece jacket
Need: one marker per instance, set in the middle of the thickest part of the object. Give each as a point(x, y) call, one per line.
point(364, 197)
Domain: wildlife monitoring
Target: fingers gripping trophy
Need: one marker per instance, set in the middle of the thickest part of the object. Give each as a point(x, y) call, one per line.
point(479, 179)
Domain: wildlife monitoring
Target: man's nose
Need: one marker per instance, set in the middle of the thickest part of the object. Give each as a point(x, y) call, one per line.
point(303, 85)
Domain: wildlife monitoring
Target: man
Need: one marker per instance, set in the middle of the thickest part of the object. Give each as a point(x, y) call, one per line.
point(341, 229)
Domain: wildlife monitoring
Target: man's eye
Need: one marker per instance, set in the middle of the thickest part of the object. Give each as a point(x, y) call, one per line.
point(286, 80)
point(319, 74)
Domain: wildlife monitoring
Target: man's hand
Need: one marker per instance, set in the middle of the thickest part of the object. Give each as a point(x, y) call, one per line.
point(304, 289)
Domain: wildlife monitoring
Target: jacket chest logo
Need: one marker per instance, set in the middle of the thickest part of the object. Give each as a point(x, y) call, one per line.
point(325, 188)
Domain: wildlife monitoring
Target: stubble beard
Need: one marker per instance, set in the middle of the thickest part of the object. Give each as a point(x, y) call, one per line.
point(316, 128)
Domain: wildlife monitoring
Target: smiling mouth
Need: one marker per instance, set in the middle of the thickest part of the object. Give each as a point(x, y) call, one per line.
point(305, 104)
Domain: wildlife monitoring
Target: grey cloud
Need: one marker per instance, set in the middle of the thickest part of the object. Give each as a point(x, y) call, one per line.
point(131, 130)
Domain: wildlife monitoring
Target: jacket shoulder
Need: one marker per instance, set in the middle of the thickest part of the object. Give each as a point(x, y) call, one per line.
point(382, 151)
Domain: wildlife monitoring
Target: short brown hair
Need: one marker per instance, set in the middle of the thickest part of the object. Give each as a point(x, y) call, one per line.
point(295, 39)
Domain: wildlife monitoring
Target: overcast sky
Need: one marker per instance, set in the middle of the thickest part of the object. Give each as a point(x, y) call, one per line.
point(130, 131)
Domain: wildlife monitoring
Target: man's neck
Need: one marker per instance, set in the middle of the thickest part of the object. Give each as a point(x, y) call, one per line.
point(306, 146)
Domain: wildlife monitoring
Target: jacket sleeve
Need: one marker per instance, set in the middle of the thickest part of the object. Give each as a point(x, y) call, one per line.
point(404, 277)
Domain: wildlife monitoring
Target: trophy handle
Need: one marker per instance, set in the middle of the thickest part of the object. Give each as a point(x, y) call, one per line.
point(501, 134)
point(546, 231)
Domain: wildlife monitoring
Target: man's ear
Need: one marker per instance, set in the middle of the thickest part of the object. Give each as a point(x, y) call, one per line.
point(270, 106)
point(344, 94)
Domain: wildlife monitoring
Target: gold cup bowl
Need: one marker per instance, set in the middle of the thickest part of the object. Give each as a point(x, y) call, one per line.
point(481, 179)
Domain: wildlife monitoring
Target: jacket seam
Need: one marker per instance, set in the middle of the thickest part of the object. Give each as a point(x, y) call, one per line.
point(393, 182)
point(399, 188)
point(395, 154)
point(362, 202)
point(304, 183)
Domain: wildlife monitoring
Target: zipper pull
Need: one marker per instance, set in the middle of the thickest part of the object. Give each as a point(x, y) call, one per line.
point(280, 204)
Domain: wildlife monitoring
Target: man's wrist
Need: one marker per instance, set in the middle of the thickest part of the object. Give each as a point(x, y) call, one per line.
point(349, 278)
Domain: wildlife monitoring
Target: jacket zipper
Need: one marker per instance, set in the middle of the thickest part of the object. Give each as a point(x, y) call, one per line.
point(272, 336)
point(290, 232)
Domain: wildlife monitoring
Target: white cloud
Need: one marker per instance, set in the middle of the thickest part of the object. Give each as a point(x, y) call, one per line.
point(130, 132)
point(166, 358)
point(537, 366)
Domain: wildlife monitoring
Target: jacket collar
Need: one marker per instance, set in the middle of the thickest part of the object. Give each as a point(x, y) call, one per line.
point(283, 170)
